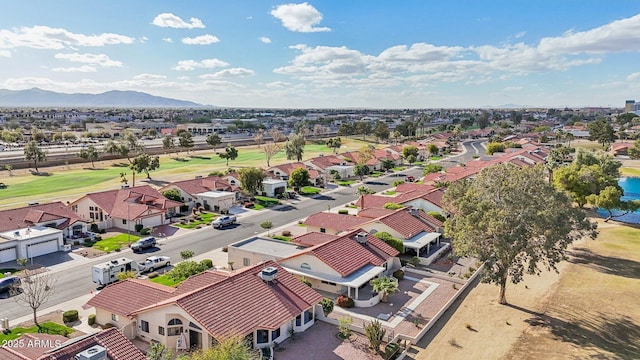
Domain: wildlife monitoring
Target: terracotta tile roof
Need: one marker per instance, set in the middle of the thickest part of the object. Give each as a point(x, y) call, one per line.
point(313, 238)
point(385, 154)
point(200, 280)
point(406, 187)
point(117, 345)
point(406, 224)
point(197, 186)
point(520, 163)
point(131, 203)
point(32, 352)
point(378, 201)
point(20, 218)
point(338, 222)
point(323, 162)
point(289, 167)
point(434, 197)
point(345, 255)
point(430, 219)
point(374, 213)
point(117, 298)
point(619, 146)
point(354, 156)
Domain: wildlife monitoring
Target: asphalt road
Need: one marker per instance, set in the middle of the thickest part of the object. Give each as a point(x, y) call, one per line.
point(76, 281)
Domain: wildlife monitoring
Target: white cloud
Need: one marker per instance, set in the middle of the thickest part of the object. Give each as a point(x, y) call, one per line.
point(99, 59)
point(172, 21)
point(634, 76)
point(83, 69)
point(201, 40)
point(149, 77)
point(299, 17)
point(229, 73)
point(265, 39)
point(167, 39)
point(44, 37)
point(5, 53)
point(187, 65)
point(278, 84)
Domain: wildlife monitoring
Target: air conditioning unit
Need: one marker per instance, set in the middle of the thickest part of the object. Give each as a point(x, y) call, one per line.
point(96, 352)
point(269, 273)
point(361, 237)
point(124, 187)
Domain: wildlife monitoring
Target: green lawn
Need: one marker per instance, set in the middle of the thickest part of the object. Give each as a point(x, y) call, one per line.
point(281, 237)
point(345, 182)
point(205, 219)
point(165, 280)
point(115, 242)
point(49, 327)
point(390, 192)
point(625, 171)
point(266, 201)
point(309, 190)
point(11, 271)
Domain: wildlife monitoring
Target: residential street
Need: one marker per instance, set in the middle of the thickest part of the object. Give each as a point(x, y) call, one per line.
point(74, 276)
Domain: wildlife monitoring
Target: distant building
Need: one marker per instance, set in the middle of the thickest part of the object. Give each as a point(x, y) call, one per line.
point(628, 105)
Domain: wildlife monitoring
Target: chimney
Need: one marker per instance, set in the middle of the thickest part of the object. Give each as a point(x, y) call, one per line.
point(361, 237)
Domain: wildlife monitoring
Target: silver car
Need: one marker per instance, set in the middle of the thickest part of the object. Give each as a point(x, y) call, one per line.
point(154, 262)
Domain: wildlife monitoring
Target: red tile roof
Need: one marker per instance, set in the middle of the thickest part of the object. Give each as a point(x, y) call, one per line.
point(378, 201)
point(406, 224)
point(374, 213)
point(224, 303)
point(338, 222)
point(345, 255)
point(197, 186)
point(117, 345)
point(323, 162)
point(313, 238)
point(289, 167)
point(20, 218)
point(23, 347)
point(354, 156)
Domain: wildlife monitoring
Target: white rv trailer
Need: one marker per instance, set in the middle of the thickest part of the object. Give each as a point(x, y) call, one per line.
point(107, 273)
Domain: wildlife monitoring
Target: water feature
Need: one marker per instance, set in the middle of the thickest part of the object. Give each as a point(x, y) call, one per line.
point(631, 186)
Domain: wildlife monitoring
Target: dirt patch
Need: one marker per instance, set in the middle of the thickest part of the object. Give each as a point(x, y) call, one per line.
point(89, 252)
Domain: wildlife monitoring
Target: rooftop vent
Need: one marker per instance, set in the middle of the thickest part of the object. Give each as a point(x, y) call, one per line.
point(414, 212)
point(269, 273)
point(124, 187)
point(96, 352)
point(198, 176)
point(361, 237)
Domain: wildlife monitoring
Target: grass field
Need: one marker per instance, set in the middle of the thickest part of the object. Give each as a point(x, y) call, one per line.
point(68, 183)
point(205, 219)
point(115, 242)
point(165, 280)
point(49, 327)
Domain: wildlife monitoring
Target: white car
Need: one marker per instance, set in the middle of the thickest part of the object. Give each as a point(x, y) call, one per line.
point(154, 262)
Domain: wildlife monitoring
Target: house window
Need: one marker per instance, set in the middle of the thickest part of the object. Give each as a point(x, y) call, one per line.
point(74, 208)
point(160, 330)
point(114, 317)
point(328, 283)
point(174, 327)
point(144, 326)
point(308, 316)
point(275, 334)
point(246, 262)
point(323, 230)
point(124, 221)
point(305, 266)
point(262, 336)
point(298, 320)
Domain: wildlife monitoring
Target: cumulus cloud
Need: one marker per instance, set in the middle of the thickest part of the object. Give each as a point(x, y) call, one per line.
point(299, 17)
point(44, 37)
point(278, 84)
point(99, 59)
point(201, 40)
point(187, 65)
point(167, 39)
point(83, 69)
point(229, 73)
point(265, 40)
point(634, 76)
point(172, 21)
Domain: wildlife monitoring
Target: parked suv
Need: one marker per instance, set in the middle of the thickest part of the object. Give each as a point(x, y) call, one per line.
point(143, 243)
point(9, 282)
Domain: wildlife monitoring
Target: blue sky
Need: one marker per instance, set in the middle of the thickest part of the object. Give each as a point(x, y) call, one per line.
point(329, 54)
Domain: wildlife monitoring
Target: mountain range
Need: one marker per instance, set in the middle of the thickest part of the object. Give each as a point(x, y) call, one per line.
point(36, 97)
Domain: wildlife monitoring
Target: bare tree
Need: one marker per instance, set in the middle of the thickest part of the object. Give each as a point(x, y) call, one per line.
point(277, 135)
point(35, 291)
point(269, 150)
point(258, 137)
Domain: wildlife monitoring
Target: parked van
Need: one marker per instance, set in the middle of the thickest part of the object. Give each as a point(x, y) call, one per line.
point(9, 282)
point(107, 273)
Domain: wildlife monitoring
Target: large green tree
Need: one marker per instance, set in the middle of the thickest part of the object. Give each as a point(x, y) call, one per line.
point(185, 140)
point(361, 170)
point(610, 200)
point(294, 147)
point(214, 140)
point(230, 153)
point(33, 152)
point(251, 179)
point(90, 153)
point(168, 142)
point(145, 163)
point(299, 178)
point(601, 131)
point(634, 151)
point(513, 221)
point(334, 143)
point(381, 131)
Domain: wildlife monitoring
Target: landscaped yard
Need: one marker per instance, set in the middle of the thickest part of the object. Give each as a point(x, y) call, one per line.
point(115, 242)
point(625, 171)
point(266, 201)
point(48, 327)
point(345, 182)
point(310, 190)
point(10, 271)
point(165, 280)
point(205, 219)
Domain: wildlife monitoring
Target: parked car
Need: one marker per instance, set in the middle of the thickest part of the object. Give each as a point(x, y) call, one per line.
point(143, 243)
point(411, 178)
point(154, 262)
point(223, 221)
point(9, 282)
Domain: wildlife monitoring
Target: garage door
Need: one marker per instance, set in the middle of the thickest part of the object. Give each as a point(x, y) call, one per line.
point(8, 254)
point(42, 248)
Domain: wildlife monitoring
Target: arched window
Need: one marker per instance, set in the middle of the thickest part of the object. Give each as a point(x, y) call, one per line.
point(305, 266)
point(174, 327)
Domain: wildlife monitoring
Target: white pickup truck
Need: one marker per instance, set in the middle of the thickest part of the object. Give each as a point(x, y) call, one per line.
point(223, 221)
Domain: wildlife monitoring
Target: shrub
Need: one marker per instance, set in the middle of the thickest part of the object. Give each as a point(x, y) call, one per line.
point(392, 206)
point(206, 263)
point(391, 350)
point(345, 301)
point(398, 182)
point(343, 211)
point(286, 233)
point(327, 306)
point(153, 274)
point(207, 207)
point(92, 319)
point(387, 238)
point(138, 227)
point(94, 228)
point(107, 326)
point(403, 262)
point(415, 261)
point(344, 326)
point(70, 316)
point(225, 249)
point(375, 333)
point(398, 274)
point(249, 205)
point(184, 208)
point(98, 237)
point(305, 281)
point(145, 231)
point(437, 215)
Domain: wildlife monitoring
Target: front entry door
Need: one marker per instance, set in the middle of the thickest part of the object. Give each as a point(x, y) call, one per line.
point(195, 339)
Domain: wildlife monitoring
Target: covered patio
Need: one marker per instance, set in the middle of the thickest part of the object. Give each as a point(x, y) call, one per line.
point(422, 243)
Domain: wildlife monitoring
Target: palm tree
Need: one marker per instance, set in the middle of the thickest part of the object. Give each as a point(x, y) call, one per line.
point(385, 286)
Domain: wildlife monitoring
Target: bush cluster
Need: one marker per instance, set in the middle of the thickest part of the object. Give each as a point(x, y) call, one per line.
point(70, 316)
point(92, 319)
point(398, 274)
point(345, 301)
point(343, 211)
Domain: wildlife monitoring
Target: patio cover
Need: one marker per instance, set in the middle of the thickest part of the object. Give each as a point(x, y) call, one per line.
point(356, 279)
point(421, 240)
